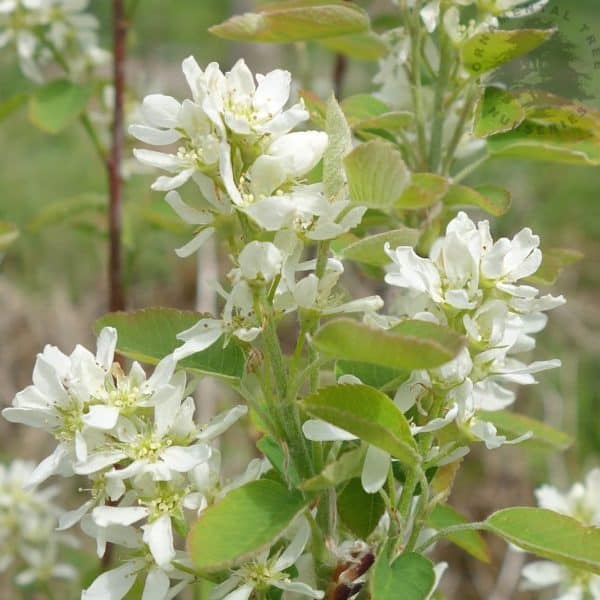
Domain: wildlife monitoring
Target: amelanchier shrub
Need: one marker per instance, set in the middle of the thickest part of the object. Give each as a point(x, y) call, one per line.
point(367, 416)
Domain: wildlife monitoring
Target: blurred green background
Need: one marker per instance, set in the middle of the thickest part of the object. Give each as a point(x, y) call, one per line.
point(52, 282)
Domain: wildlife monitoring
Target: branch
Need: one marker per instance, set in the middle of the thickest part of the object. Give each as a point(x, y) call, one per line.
point(115, 183)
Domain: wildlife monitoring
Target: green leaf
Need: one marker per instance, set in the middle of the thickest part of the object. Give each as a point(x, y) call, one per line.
point(376, 173)
point(409, 577)
point(471, 541)
point(360, 46)
point(368, 414)
point(248, 520)
point(374, 375)
point(340, 143)
point(392, 121)
point(272, 450)
point(492, 199)
point(496, 112)
point(488, 50)
point(424, 190)
point(360, 107)
point(12, 104)
point(347, 466)
point(549, 535)
point(370, 250)
point(150, 334)
point(57, 213)
point(316, 107)
point(552, 143)
point(55, 105)
point(548, 109)
point(554, 261)
point(514, 425)
point(294, 21)
point(8, 234)
point(411, 345)
point(360, 512)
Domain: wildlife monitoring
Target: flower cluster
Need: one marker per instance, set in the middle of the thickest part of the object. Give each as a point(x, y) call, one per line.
point(135, 439)
point(234, 139)
point(473, 285)
point(581, 502)
point(28, 537)
point(42, 30)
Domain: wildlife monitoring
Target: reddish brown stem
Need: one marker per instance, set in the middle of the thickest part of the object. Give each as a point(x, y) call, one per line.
point(113, 164)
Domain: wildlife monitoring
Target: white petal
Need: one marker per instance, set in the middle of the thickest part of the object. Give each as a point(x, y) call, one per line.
point(242, 593)
point(301, 150)
point(167, 184)
point(222, 422)
point(101, 417)
point(114, 584)
point(183, 459)
point(68, 519)
point(49, 466)
point(98, 461)
point(160, 110)
point(159, 537)
point(298, 587)
point(199, 337)
point(106, 344)
point(541, 574)
point(105, 516)
point(293, 552)
point(154, 136)
point(375, 469)
point(195, 243)
point(273, 91)
point(187, 213)
point(320, 431)
point(438, 423)
point(161, 160)
point(156, 585)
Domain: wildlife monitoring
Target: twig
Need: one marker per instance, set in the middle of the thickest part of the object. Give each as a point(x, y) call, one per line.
point(116, 293)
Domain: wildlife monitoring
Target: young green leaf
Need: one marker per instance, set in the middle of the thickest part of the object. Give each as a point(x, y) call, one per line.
point(488, 50)
point(374, 375)
point(340, 144)
point(359, 107)
point(273, 451)
point(248, 520)
point(359, 512)
point(55, 105)
point(12, 104)
point(63, 211)
point(550, 535)
point(8, 234)
point(410, 577)
point(412, 345)
point(368, 414)
point(470, 541)
point(554, 262)
point(424, 190)
point(150, 334)
point(376, 173)
point(347, 466)
point(514, 425)
point(552, 143)
point(496, 112)
point(370, 250)
point(492, 199)
point(294, 21)
point(360, 46)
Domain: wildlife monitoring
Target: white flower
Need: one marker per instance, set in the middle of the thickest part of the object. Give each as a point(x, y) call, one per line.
point(581, 502)
point(246, 108)
point(168, 121)
point(285, 162)
point(58, 401)
point(238, 320)
point(28, 519)
point(265, 572)
point(260, 261)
